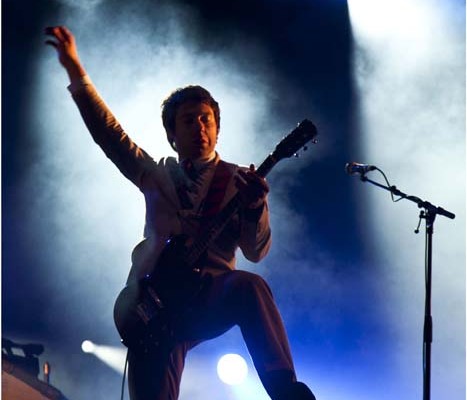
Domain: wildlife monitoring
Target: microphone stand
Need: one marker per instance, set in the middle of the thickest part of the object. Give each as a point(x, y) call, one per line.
point(428, 214)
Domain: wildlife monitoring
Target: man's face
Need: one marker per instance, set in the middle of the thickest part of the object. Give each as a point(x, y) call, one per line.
point(195, 130)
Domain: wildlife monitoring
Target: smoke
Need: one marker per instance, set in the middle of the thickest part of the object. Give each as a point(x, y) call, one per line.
point(412, 91)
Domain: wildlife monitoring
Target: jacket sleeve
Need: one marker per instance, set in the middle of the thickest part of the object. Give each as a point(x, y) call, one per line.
point(106, 131)
point(255, 233)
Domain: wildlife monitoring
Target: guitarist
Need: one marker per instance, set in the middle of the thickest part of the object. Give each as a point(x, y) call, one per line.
point(179, 195)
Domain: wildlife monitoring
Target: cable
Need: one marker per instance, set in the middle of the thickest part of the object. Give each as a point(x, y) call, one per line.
point(124, 377)
point(389, 185)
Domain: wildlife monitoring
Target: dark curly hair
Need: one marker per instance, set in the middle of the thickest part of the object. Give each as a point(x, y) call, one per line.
point(191, 93)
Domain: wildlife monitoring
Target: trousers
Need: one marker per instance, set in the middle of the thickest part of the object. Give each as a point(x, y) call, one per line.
point(230, 298)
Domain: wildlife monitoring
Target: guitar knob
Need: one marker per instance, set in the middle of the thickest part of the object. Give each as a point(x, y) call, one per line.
point(305, 148)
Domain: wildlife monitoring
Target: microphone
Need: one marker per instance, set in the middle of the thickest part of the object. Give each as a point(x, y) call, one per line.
point(354, 168)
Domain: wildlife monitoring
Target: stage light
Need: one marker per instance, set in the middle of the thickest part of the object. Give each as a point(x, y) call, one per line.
point(114, 357)
point(87, 346)
point(232, 369)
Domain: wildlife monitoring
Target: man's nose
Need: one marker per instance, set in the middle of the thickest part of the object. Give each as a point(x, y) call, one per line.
point(199, 123)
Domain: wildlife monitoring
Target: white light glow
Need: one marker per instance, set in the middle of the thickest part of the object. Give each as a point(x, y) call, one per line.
point(87, 346)
point(232, 369)
point(397, 18)
point(114, 357)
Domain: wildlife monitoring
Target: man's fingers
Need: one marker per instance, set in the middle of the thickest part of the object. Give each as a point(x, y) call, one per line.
point(59, 35)
point(251, 177)
point(251, 184)
point(59, 32)
point(67, 33)
point(51, 43)
point(52, 31)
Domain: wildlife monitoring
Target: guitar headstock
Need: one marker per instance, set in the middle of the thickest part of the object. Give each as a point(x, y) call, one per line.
point(295, 140)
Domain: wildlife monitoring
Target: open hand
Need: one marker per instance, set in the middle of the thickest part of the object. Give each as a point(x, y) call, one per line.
point(64, 42)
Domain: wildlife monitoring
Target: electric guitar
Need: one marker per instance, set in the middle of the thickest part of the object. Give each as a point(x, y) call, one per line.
point(143, 310)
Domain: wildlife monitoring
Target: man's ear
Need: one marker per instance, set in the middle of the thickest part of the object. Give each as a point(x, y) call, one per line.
point(171, 139)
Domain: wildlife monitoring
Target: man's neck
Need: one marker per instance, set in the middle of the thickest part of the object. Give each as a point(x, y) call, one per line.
point(198, 162)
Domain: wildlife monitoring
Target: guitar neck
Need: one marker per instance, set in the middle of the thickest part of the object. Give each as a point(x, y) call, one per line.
point(266, 166)
point(218, 223)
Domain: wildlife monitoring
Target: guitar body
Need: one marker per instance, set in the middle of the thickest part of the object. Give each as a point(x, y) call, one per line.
point(143, 309)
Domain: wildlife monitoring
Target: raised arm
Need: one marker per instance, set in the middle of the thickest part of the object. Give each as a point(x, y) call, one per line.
point(104, 128)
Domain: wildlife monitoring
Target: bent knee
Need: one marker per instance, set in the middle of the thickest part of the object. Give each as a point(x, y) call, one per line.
point(247, 283)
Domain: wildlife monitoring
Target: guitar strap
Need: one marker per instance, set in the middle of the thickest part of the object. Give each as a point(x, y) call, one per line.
point(181, 188)
point(216, 193)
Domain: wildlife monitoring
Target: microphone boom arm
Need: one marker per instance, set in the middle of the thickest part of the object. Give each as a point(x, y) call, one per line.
point(430, 208)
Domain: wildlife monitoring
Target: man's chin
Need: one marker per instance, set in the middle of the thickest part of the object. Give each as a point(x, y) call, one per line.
point(201, 152)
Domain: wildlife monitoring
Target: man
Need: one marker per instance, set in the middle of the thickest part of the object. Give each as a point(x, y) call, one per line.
point(181, 197)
